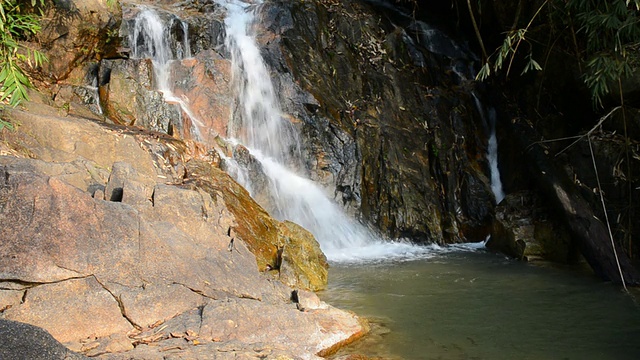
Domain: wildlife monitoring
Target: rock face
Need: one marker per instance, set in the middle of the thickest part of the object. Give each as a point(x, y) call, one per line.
point(112, 240)
point(205, 81)
point(75, 33)
point(388, 113)
point(128, 97)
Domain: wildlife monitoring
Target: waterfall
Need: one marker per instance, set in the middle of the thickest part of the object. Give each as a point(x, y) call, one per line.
point(151, 39)
point(492, 156)
point(492, 148)
point(260, 118)
point(274, 142)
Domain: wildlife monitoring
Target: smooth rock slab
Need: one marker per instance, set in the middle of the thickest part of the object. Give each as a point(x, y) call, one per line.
point(52, 304)
point(248, 321)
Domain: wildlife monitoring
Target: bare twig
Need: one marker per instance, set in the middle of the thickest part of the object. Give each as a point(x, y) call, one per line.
point(477, 30)
point(606, 216)
point(602, 120)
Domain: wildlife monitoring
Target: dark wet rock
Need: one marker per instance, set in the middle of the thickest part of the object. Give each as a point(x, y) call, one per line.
point(19, 341)
point(261, 187)
point(388, 122)
point(128, 97)
point(572, 207)
point(523, 230)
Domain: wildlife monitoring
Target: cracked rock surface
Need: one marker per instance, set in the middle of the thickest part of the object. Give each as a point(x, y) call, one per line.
point(108, 246)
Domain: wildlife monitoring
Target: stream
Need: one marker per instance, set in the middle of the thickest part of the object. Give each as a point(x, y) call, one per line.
point(478, 305)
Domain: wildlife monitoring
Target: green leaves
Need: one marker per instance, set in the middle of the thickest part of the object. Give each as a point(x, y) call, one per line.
point(609, 36)
point(611, 28)
point(507, 52)
point(531, 65)
point(17, 23)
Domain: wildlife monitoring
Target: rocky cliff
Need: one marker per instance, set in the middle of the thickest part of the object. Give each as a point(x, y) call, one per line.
point(120, 234)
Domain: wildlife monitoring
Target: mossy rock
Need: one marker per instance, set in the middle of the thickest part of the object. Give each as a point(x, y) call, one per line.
point(303, 264)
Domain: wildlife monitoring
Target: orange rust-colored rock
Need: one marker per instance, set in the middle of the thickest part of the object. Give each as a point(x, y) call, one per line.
point(252, 223)
point(206, 82)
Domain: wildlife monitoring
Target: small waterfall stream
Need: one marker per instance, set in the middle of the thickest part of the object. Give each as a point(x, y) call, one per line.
point(150, 39)
point(489, 118)
point(264, 130)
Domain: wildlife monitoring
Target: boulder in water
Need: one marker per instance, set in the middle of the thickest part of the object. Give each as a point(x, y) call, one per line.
point(523, 230)
point(302, 263)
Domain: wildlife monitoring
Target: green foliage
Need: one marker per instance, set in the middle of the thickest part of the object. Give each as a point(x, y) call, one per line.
point(5, 124)
point(610, 28)
point(17, 21)
point(508, 50)
point(607, 29)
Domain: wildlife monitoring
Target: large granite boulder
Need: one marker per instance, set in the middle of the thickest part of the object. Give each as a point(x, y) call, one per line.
point(104, 240)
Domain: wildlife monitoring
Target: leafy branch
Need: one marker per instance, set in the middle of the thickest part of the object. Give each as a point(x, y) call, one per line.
point(609, 29)
point(508, 51)
point(16, 23)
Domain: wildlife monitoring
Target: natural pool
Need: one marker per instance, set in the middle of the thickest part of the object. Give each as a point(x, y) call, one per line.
point(478, 305)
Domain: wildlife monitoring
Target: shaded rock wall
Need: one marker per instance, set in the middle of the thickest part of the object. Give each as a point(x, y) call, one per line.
point(385, 106)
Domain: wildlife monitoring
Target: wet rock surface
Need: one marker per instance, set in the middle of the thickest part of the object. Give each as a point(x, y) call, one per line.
point(523, 230)
point(389, 128)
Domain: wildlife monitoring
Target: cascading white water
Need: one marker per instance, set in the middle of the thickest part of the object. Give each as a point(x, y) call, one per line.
point(492, 155)
point(150, 39)
point(260, 119)
point(492, 148)
point(274, 142)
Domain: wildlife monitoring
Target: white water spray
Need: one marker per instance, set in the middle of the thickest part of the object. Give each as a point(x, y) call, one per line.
point(151, 39)
point(261, 123)
point(274, 142)
point(492, 148)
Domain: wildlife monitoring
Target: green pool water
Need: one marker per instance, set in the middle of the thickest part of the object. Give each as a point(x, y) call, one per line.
point(478, 305)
